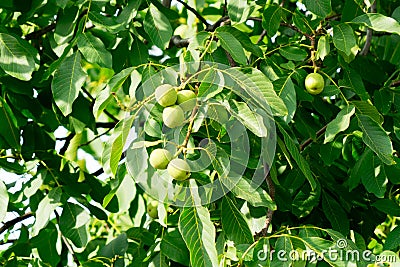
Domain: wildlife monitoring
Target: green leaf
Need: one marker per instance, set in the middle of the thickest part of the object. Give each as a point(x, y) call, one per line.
point(375, 137)
point(365, 108)
point(139, 53)
point(67, 82)
point(119, 138)
point(392, 240)
point(364, 167)
point(286, 91)
point(301, 162)
point(46, 208)
point(94, 51)
point(388, 206)
point(232, 46)
point(293, 53)
point(376, 183)
point(234, 224)
point(249, 118)
point(238, 10)
point(335, 214)
point(285, 245)
point(8, 122)
point(256, 196)
point(254, 83)
point(339, 124)
point(272, 19)
point(305, 201)
point(323, 47)
point(157, 26)
point(174, 247)
point(343, 38)
point(353, 81)
point(3, 200)
point(16, 58)
point(243, 39)
point(199, 234)
point(46, 244)
point(73, 224)
point(320, 8)
point(117, 247)
point(378, 22)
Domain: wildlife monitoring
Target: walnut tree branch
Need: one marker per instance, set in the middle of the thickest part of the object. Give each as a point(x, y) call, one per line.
point(310, 140)
point(368, 39)
point(194, 11)
point(14, 221)
point(271, 192)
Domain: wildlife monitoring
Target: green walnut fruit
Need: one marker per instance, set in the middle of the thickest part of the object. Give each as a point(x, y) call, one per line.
point(152, 209)
point(186, 99)
point(166, 95)
point(178, 169)
point(173, 116)
point(159, 158)
point(314, 83)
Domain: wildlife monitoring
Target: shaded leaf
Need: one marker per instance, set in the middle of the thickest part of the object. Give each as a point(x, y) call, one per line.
point(335, 214)
point(234, 224)
point(376, 138)
point(339, 124)
point(388, 206)
point(157, 25)
point(73, 224)
point(232, 46)
point(295, 153)
point(393, 239)
point(271, 19)
point(8, 122)
point(67, 82)
point(174, 247)
point(320, 8)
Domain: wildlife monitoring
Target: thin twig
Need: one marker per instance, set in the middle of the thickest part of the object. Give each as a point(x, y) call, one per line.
point(395, 83)
point(194, 11)
point(232, 62)
point(66, 144)
point(13, 222)
point(177, 41)
point(38, 33)
point(271, 192)
point(310, 140)
point(368, 39)
point(166, 3)
point(262, 35)
point(105, 111)
point(222, 21)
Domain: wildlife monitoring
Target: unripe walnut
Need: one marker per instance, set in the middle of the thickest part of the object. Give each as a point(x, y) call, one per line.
point(173, 116)
point(166, 95)
point(186, 99)
point(179, 169)
point(152, 209)
point(159, 158)
point(314, 83)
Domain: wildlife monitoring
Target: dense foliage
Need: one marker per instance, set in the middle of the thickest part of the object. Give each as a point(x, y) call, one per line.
point(273, 167)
